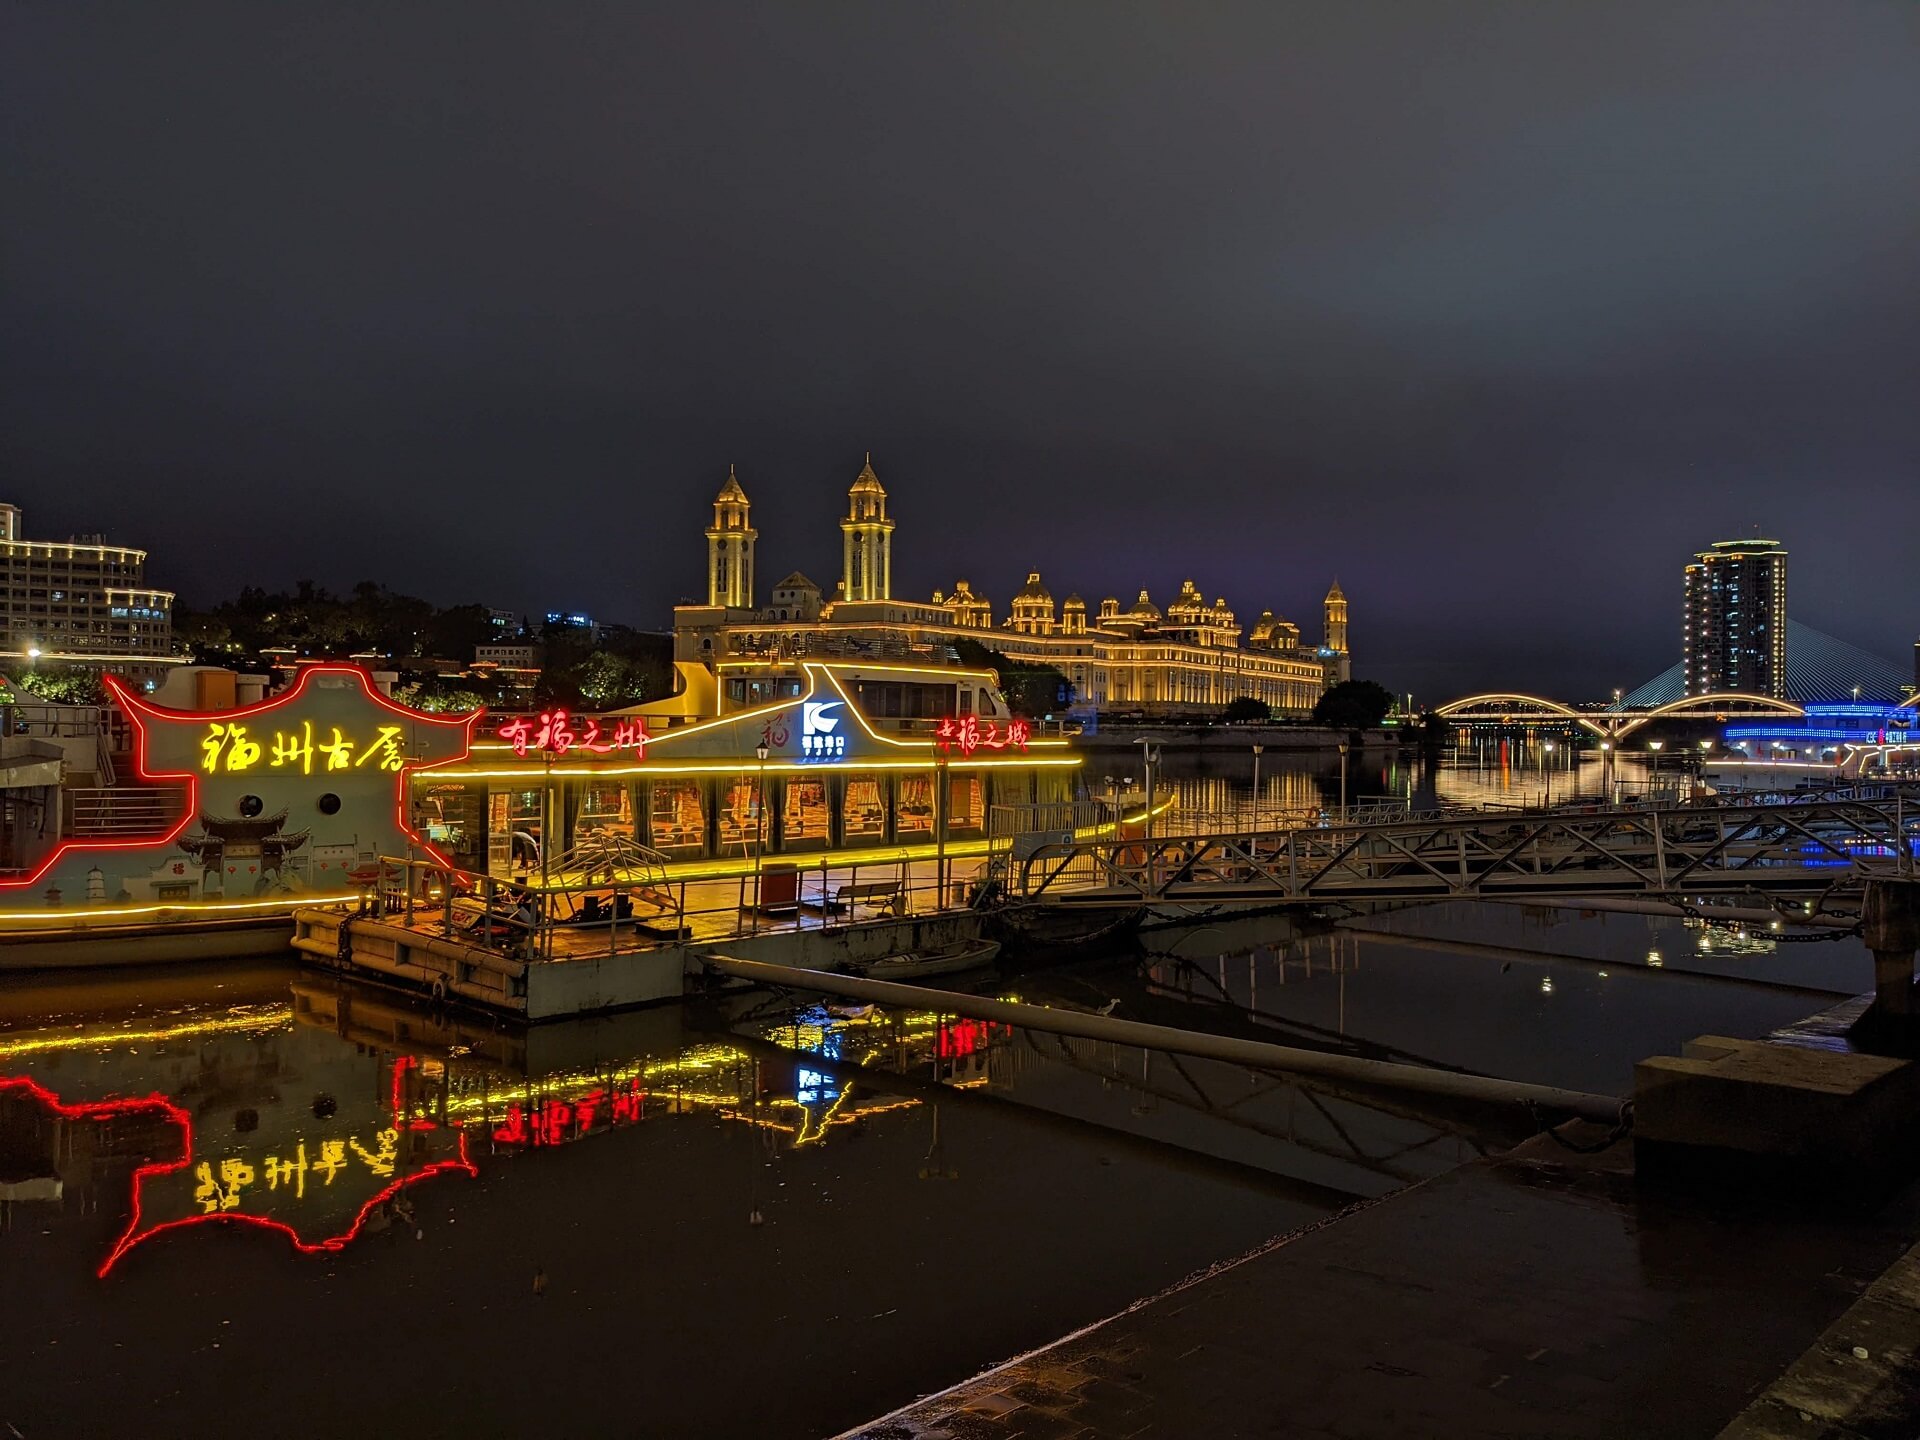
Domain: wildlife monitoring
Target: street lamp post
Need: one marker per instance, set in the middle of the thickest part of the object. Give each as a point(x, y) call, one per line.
point(1654, 747)
point(1256, 786)
point(1548, 748)
point(1147, 757)
point(1343, 781)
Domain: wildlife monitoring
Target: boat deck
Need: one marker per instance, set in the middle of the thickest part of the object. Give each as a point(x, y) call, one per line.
point(450, 950)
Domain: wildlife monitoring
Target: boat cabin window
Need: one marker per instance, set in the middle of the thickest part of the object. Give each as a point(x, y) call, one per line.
point(913, 810)
point(741, 828)
point(605, 805)
point(805, 819)
point(863, 809)
point(966, 806)
point(515, 820)
point(679, 817)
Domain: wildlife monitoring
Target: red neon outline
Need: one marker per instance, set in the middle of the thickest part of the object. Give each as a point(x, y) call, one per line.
point(133, 1235)
point(140, 712)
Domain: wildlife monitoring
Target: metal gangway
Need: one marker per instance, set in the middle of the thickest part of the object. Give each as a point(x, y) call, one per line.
point(1781, 848)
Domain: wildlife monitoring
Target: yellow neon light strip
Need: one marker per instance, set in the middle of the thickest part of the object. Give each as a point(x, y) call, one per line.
point(751, 767)
point(259, 1020)
point(179, 907)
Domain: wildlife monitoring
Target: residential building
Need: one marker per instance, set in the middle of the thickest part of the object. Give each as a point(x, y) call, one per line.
point(1736, 619)
point(81, 603)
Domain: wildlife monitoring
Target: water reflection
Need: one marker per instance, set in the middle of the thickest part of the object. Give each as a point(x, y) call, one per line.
point(1512, 771)
point(332, 1115)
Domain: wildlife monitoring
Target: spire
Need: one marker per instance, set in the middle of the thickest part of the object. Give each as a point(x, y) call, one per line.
point(1336, 593)
point(731, 489)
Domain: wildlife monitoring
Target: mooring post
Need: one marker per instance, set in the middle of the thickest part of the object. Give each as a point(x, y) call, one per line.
point(1890, 925)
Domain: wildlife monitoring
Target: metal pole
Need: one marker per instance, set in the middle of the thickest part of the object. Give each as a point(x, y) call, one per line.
point(546, 849)
point(1256, 786)
point(759, 832)
point(1255, 1054)
point(939, 834)
point(1343, 781)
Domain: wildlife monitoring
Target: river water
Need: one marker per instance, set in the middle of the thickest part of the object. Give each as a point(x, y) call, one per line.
point(251, 1195)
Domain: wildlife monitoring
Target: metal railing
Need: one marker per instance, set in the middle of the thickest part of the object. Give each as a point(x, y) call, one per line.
point(1684, 849)
point(103, 813)
point(579, 915)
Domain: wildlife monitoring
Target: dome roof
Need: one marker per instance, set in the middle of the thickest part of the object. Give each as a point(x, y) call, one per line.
point(1033, 589)
point(1145, 608)
point(1074, 602)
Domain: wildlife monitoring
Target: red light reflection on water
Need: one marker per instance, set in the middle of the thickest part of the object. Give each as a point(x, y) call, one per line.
point(172, 1114)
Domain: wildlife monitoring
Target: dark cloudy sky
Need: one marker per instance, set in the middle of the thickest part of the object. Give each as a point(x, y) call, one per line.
point(1495, 311)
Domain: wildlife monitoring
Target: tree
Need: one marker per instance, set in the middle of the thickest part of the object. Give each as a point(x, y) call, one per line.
point(441, 696)
point(63, 687)
point(1030, 689)
point(1246, 709)
point(1353, 705)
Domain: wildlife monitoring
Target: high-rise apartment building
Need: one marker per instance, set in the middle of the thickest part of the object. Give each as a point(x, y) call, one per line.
point(80, 602)
point(1736, 621)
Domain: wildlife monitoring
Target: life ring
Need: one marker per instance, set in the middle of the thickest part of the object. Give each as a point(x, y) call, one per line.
point(438, 989)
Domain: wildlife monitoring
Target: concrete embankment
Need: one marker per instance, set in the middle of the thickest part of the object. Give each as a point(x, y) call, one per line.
point(1536, 1294)
point(1567, 1288)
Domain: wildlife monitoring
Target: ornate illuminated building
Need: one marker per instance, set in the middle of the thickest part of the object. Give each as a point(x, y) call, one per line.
point(867, 571)
point(730, 548)
point(1194, 657)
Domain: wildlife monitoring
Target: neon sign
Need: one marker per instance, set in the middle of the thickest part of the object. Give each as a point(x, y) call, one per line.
point(818, 740)
point(231, 747)
point(966, 734)
point(553, 733)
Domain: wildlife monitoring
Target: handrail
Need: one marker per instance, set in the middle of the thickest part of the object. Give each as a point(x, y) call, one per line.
point(1640, 849)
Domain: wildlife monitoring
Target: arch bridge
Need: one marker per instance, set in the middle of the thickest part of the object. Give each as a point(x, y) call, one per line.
point(1506, 707)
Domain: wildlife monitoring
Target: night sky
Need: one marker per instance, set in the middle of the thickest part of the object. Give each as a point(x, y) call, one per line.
point(1497, 312)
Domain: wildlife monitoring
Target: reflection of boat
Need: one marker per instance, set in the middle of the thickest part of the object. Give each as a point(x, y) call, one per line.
point(912, 964)
point(1044, 935)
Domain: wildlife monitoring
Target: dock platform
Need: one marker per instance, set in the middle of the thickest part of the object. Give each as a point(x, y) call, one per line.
point(459, 948)
point(1540, 1294)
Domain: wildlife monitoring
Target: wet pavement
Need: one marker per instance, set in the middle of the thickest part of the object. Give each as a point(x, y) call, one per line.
point(1538, 1295)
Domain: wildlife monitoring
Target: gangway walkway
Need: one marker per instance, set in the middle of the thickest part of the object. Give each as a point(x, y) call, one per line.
point(1772, 849)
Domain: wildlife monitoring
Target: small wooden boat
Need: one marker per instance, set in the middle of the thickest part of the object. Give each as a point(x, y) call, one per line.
point(914, 964)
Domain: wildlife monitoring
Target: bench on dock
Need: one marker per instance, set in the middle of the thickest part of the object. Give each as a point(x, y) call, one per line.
point(861, 892)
